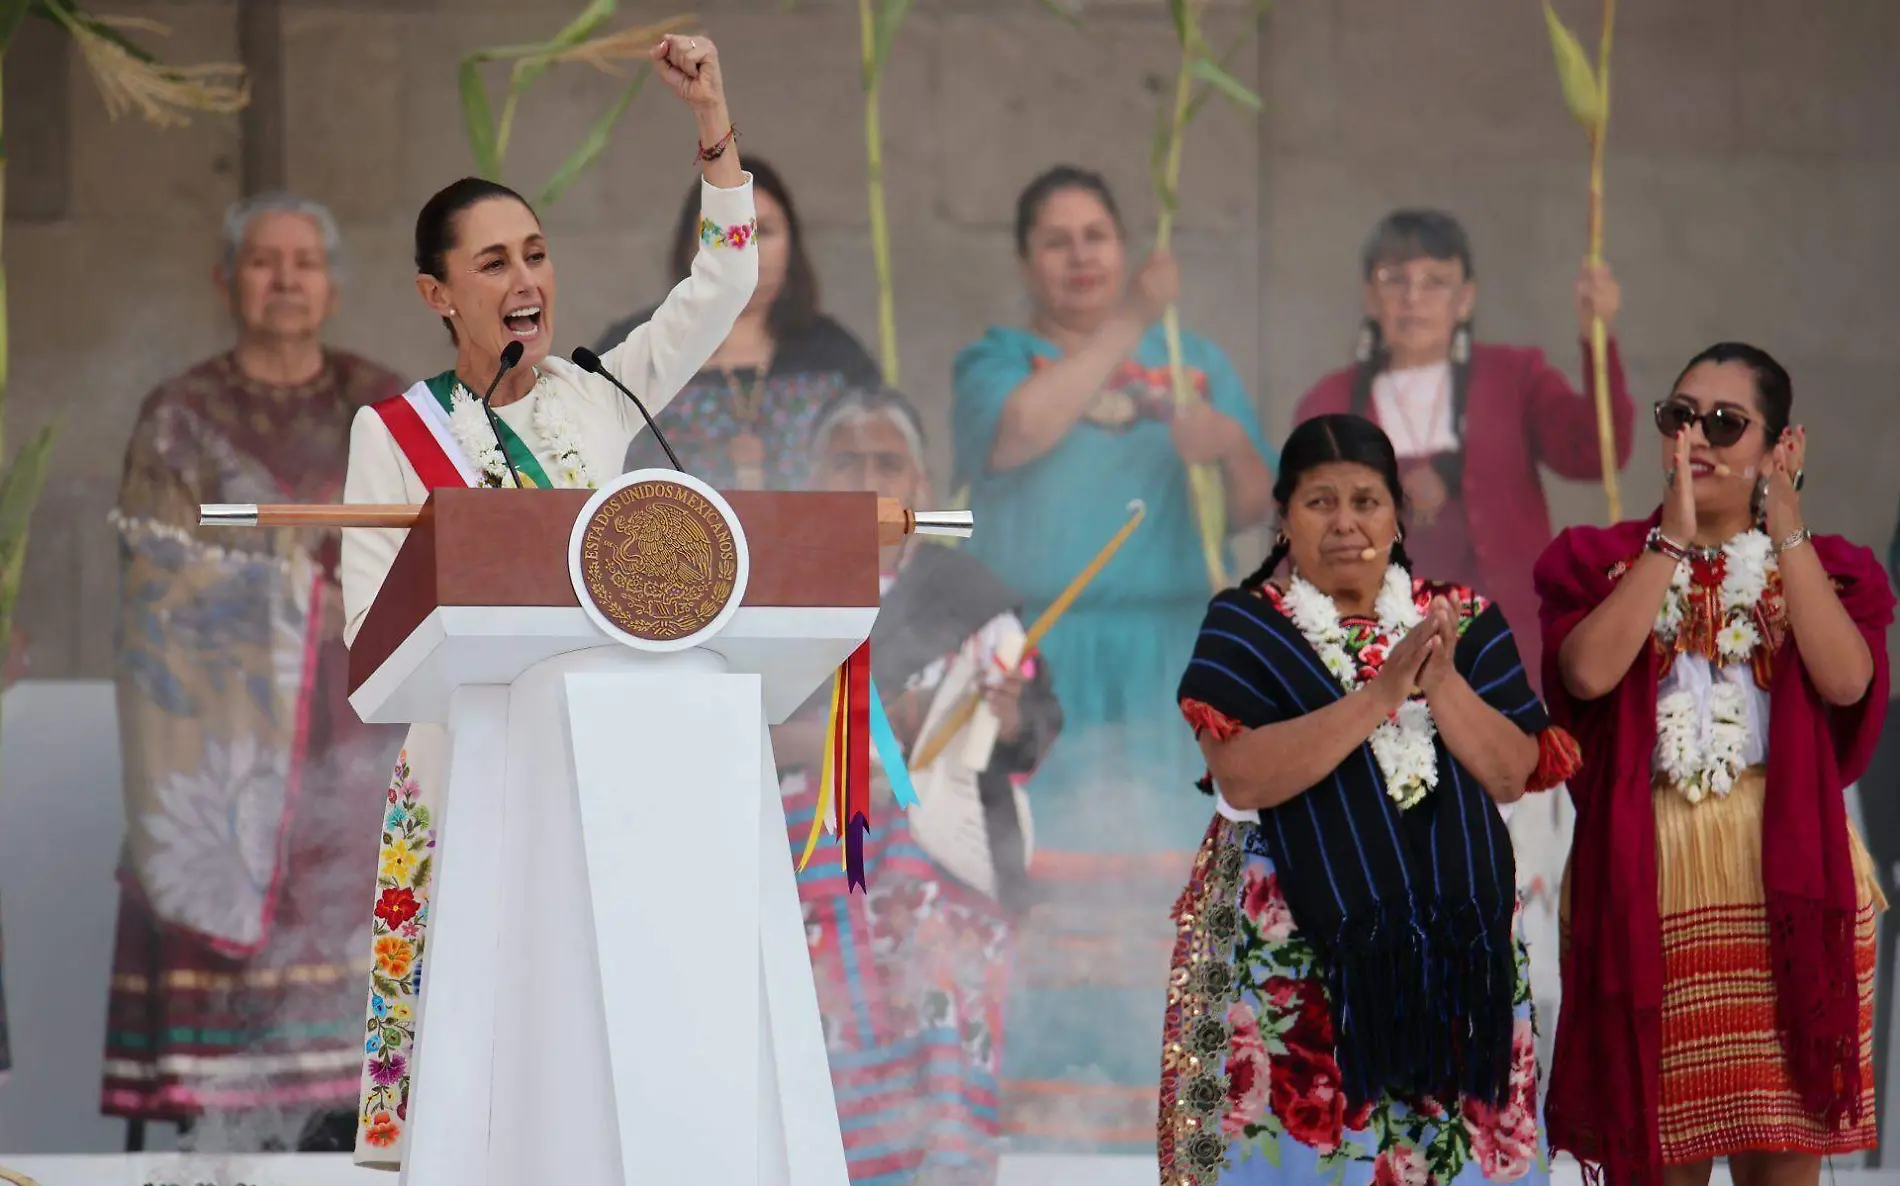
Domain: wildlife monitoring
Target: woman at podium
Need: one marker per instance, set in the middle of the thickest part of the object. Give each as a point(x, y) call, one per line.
point(485, 266)
point(915, 1031)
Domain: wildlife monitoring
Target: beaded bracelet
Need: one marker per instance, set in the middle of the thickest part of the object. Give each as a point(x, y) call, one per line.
point(1658, 542)
point(719, 147)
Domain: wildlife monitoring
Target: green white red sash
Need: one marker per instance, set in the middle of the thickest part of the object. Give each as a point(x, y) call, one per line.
point(418, 419)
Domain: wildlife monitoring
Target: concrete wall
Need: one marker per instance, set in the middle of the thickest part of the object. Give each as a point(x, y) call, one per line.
point(1753, 169)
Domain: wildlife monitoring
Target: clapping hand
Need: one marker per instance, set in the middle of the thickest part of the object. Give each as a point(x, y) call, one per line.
point(1399, 678)
point(1438, 667)
point(1678, 514)
point(1783, 503)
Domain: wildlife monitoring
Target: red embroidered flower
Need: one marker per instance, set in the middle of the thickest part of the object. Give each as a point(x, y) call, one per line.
point(1401, 1165)
point(381, 1131)
point(1306, 1092)
point(739, 234)
point(1505, 1140)
point(1266, 906)
point(397, 906)
point(1247, 1073)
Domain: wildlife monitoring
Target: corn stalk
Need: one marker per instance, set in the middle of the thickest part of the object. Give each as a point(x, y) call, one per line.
point(129, 79)
point(579, 42)
point(1197, 65)
point(1587, 94)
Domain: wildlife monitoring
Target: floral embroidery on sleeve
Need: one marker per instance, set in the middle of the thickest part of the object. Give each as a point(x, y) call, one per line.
point(398, 928)
point(737, 236)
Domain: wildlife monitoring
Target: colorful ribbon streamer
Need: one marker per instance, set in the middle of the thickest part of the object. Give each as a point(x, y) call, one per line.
point(844, 780)
point(890, 755)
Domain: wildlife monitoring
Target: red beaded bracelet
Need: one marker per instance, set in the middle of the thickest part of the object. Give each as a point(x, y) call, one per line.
point(719, 146)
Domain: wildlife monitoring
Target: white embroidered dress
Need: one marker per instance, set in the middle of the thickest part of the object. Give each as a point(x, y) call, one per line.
point(655, 360)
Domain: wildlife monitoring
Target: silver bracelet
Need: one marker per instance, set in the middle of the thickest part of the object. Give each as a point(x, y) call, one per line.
point(1794, 540)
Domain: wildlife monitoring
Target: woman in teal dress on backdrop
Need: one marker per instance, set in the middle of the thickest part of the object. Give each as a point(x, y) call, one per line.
point(1057, 428)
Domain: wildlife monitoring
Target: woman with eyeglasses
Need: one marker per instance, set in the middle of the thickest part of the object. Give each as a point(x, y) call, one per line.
point(1725, 674)
point(1472, 423)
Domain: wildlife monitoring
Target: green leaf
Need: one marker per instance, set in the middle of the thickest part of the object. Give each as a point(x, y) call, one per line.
point(1205, 69)
point(1574, 72)
point(1178, 10)
point(1057, 9)
point(578, 30)
point(478, 119)
point(12, 12)
point(890, 17)
point(590, 148)
point(19, 490)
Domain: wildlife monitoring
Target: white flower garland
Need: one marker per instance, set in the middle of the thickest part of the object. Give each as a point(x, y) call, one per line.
point(1697, 769)
point(1699, 766)
point(1402, 745)
point(477, 437)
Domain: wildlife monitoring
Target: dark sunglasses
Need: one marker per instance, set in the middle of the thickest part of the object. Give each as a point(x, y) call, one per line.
point(1722, 426)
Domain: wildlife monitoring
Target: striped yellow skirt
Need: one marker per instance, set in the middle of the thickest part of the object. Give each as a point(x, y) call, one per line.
point(1726, 1085)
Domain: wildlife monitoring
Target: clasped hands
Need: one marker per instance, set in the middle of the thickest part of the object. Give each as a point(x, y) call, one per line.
point(1422, 660)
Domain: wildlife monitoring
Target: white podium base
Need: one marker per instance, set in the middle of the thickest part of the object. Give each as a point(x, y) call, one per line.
point(616, 987)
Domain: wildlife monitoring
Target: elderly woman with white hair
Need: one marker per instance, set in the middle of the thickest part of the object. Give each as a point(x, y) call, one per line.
point(912, 976)
point(238, 963)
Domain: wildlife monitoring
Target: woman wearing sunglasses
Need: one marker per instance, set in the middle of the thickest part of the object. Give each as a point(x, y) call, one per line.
point(1725, 673)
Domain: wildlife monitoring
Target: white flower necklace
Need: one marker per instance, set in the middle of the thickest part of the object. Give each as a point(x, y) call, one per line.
point(477, 437)
point(1699, 765)
point(1402, 745)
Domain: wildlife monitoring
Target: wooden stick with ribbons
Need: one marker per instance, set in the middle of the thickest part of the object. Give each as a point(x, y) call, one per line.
point(966, 708)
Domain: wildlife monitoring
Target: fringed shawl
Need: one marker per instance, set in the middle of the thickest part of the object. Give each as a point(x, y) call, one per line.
point(1410, 911)
point(1606, 1076)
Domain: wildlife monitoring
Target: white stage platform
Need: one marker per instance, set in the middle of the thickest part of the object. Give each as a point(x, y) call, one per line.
point(175, 1170)
point(60, 828)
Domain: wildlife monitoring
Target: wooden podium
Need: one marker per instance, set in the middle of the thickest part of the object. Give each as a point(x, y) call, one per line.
point(677, 1036)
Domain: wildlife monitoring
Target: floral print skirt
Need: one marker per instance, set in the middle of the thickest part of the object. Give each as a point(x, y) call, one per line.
point(1251, 1093)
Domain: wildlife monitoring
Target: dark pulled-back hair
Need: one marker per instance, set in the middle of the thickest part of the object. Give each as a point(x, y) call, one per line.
point(1051, 182)
point(1773, 387)
point(1323, 440)
point(796, 306)
point(439, 224)
point(1416, 233)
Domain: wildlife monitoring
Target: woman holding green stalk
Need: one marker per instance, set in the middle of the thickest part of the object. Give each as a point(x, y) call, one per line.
point(1057, 427)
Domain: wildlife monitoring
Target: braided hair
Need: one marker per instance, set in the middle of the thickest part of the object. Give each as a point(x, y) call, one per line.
point(1321, 441)
point(1401, 236)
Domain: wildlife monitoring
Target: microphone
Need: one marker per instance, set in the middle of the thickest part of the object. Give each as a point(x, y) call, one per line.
point(510, 355)
point(588, 361)
point(1368, 553)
